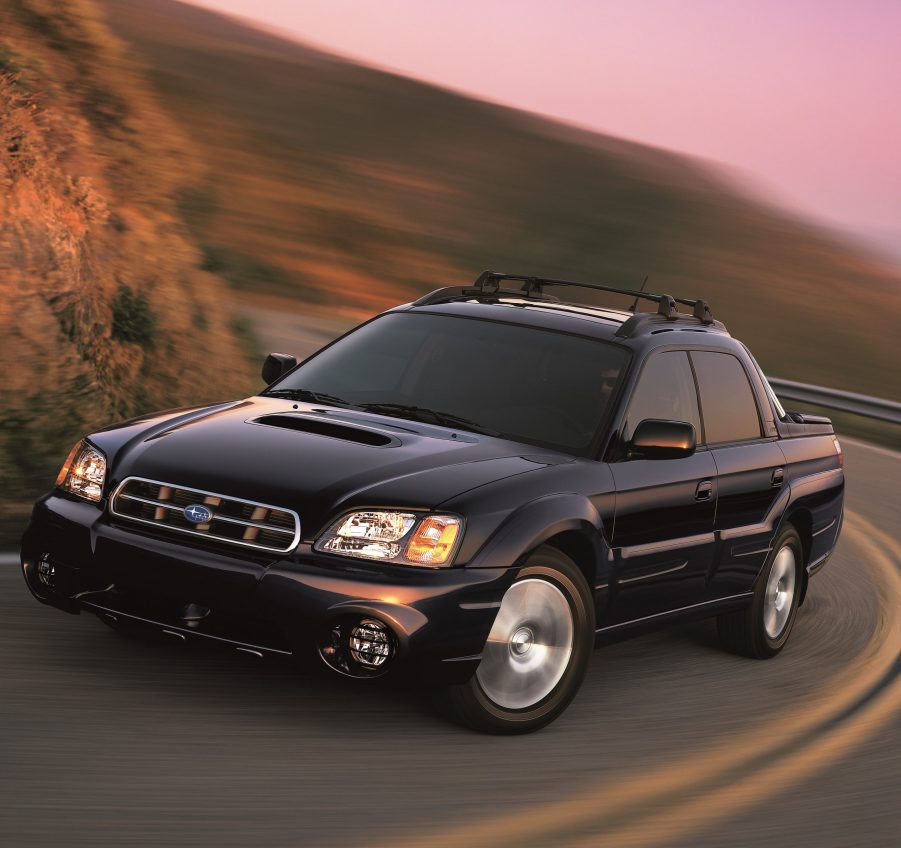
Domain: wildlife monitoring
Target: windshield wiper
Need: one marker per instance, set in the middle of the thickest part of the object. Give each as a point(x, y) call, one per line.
point(307, 395)
point(429, 416)
point(401, 410)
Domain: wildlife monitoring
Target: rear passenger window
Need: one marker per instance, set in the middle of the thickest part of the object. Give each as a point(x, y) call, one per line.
point(666, 389)
point(727, 401)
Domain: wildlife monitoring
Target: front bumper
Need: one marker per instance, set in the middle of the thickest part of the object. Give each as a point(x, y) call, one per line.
point(440, 618)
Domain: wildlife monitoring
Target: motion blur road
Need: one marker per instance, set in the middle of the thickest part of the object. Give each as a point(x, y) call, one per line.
point(110, 740)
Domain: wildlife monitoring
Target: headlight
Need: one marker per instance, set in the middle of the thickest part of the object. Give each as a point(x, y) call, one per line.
point(83, 472)
point(404, 537)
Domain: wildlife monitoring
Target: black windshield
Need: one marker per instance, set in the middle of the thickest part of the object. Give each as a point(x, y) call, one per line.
point(536, 386)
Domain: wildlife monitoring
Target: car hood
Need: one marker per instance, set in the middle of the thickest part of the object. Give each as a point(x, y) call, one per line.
point(316, 460)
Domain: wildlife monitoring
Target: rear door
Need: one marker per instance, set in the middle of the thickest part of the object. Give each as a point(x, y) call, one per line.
point(750, 469)
point(663, 525)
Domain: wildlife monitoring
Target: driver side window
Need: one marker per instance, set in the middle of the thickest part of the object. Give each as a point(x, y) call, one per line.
point(666, 390)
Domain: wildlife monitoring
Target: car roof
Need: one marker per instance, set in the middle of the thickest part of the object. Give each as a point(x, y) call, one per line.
point(633, 329)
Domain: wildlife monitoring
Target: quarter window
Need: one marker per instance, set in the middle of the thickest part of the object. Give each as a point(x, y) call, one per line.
point(665, 390)
point(727, 400)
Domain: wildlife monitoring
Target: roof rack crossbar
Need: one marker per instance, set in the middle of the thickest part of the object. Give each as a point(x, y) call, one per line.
point(488, 286)
point(489, 281)
point(450, 293)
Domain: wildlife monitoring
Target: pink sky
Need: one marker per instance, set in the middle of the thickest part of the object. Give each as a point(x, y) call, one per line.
point(802, 96)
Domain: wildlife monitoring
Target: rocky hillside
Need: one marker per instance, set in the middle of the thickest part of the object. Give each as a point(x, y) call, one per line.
point(104, 307)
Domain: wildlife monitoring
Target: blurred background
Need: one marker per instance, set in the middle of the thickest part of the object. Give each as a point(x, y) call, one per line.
point(180, 185)
point(184, 190)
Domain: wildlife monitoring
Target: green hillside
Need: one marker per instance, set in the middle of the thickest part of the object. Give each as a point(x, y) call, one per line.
point(334, 183)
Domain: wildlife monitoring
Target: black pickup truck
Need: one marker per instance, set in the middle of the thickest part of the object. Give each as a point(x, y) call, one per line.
point(476, 488)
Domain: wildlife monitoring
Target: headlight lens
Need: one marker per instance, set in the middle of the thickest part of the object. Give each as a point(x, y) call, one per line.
point(403, 537)
point(83, 472)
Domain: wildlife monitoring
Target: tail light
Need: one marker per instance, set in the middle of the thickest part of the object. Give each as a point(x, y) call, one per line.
point(838, 451)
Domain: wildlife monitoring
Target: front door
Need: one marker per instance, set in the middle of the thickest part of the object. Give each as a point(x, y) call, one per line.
point(663, 543)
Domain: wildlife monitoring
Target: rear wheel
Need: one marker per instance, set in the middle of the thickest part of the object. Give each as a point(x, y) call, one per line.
point(763, 627)
point(537, 651)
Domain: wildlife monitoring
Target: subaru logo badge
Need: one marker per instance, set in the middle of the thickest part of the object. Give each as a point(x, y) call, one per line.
point(198, 513)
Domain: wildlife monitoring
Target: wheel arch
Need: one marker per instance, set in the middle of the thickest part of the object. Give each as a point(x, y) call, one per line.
point(567, 521)
point(579, 548)
point(801, 519)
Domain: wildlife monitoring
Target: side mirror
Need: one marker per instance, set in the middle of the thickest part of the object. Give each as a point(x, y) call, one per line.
point(656, 439)
point(276, 365)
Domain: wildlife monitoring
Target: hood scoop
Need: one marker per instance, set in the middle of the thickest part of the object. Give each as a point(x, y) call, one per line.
point(319, 427)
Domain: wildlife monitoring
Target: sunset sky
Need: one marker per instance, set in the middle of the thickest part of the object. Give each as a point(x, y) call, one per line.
point(802, 97)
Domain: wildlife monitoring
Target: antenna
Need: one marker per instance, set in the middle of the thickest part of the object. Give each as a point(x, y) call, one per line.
point(634, 305)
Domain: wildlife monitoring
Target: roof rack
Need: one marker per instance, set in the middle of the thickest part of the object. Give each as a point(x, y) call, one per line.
point(488, 284)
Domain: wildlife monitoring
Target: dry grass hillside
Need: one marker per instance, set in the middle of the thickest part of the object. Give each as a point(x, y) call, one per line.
point(336, 183)
point(104, 307)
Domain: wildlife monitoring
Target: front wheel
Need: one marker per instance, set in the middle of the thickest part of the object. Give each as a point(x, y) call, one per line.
point(763, 627)
point(537, 651)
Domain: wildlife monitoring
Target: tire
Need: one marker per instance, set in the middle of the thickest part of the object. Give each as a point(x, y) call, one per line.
point(761, 629)
point(521, 685)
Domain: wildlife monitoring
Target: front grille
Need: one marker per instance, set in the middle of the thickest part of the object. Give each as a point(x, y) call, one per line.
point(234, 521)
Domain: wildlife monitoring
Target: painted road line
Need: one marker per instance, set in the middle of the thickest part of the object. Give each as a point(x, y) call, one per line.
point(608, 802)
point(700, 813)
point(690, 815)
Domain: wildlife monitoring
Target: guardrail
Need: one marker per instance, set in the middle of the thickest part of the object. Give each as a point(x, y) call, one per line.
point(869, 407)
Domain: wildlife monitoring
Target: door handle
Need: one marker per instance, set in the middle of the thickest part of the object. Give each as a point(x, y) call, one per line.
point(778, 476)
point(702, 493)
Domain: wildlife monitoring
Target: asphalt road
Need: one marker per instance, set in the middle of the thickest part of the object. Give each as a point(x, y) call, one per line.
point(109, 740)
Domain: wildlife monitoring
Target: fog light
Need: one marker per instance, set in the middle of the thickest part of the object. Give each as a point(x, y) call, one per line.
point(370, 643)
point(358, 647)
point(46, 571)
